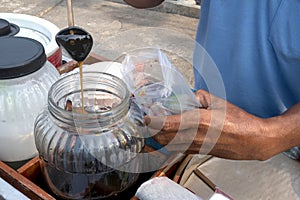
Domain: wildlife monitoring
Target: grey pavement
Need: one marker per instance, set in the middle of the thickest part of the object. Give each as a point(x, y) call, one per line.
point(118, 28)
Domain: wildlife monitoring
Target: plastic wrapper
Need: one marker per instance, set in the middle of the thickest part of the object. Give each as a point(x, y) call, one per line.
point(159, 88)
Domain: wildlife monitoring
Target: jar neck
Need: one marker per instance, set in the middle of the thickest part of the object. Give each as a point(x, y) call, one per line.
point(101, 90)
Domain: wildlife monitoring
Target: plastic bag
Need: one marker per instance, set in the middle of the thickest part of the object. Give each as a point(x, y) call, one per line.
point(159, 88)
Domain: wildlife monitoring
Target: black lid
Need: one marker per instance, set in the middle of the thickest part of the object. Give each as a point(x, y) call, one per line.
point(8, 29)
point(20, 56)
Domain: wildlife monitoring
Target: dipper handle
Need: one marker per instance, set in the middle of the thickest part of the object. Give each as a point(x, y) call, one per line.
point(70, 13)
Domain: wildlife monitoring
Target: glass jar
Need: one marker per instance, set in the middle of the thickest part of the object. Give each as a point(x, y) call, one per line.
point(25, 78)
point(89, 154)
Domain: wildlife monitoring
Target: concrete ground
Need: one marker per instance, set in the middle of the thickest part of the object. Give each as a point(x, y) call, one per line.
point(117, 28)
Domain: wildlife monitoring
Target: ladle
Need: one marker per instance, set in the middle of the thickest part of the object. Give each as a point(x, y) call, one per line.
point(76, 41)
point(70, 13)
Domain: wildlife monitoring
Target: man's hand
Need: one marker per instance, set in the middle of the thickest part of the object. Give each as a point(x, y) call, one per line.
point(220, 129)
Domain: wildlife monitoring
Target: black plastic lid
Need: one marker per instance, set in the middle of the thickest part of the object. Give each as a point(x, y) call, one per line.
point(20, 56)
point(8, 29)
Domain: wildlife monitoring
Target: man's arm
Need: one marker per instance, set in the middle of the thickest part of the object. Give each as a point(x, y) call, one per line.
point(224, 130)
point(144, 3)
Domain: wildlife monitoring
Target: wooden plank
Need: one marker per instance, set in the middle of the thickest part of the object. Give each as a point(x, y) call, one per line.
point(94, 58)
point(7, 191)
point(31, 169)
point(67, 67)
point(23, 184)
point(72, 64)
point(181, 168)
point(172, 164)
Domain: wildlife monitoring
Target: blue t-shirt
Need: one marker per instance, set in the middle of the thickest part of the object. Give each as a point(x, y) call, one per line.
point(255, 49)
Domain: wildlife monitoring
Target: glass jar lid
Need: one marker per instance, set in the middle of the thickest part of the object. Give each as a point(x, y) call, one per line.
point(8, 29)
point(20, 56)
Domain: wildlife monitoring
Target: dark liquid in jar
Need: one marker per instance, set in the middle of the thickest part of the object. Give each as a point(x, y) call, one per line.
point(109, 184)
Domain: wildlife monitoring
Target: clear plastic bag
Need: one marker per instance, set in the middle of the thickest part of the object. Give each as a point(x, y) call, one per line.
point(159, 88)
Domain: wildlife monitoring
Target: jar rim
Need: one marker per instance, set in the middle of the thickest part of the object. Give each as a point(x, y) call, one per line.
point(118, 110)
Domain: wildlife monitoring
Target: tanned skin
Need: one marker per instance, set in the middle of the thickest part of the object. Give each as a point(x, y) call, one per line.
point(243, 136)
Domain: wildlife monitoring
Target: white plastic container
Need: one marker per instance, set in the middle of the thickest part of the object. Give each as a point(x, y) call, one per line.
point(25, 78)
point(40, 30)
